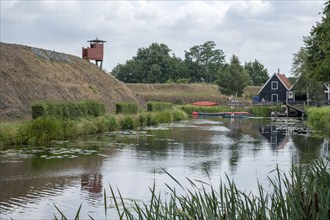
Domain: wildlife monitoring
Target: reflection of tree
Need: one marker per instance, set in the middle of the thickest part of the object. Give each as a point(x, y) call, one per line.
point(308, 148)
point(92, 182)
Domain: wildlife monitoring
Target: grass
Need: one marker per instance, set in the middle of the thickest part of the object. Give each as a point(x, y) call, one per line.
point(319, 118)
point(302, 194)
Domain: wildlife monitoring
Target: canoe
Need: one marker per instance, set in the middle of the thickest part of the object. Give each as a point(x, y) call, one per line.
point(224, 114)
point(209, 113)
point(204, 103)
point(237, 115)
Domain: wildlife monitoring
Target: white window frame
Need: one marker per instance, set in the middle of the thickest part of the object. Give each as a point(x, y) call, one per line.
point(276, 97)
point(273, 85)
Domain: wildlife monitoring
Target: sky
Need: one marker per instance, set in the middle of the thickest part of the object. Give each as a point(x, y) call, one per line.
point(268, 31)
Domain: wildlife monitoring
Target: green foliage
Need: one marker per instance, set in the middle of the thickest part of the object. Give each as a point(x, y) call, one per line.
point(258, 74)
point(264, 111)
point(40, 131)
point(127, 122)
point(319, 118)
point(204, 61)
point(179, 115)
point(126, 108)
point(233, 79)
point(45, 129)
point(153, 64)
point(68, 110)
point(211, 109)
point(313, 59)
point(303, 194)
point(158, 106)
point(8, 134)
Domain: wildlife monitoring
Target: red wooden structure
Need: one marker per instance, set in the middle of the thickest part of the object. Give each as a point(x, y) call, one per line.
point(94, 52)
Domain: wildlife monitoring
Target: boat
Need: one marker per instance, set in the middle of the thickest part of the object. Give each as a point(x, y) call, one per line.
point(237, 115)
point(209, 113)
point(204, 103)
point(224, 114)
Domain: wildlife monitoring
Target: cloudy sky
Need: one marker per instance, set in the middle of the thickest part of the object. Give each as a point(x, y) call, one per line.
point(269, 31)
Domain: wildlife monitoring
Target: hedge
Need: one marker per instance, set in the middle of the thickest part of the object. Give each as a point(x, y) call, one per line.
point(158, 106)
point(68, 110)
point(126, 108)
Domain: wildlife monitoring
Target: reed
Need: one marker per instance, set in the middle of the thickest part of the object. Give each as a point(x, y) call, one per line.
point(304, 193)
point(126, 108)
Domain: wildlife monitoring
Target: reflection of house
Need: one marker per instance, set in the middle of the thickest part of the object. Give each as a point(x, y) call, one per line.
point(276, 89)
point(277, 138)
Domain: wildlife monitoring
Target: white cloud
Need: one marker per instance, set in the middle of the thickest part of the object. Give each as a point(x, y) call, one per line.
point(269, 31)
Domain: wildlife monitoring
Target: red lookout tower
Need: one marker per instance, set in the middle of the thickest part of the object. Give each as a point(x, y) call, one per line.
point(94, 52)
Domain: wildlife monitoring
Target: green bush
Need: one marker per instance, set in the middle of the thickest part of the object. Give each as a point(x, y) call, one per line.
point(264, 111)
point(127, 123)
point(8, 134)
point(164, 116)
point(40, 131)
point(143, 119)
point(110, 122)
point(319, 118)
point(158, 106)
point(126, 108)
point(152, 119)
point(179, 115)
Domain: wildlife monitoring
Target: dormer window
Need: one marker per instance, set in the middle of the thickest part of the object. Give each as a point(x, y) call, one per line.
point(274, 85)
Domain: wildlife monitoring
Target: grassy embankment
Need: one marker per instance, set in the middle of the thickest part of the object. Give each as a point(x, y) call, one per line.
point(303, 193)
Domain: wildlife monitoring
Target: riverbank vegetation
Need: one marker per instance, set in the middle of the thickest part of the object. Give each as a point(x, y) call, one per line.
point(48, 127)
point(303, 193)
point(319, 119)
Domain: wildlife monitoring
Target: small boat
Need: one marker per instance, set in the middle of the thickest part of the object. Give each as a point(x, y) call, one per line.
point(204, 103)
point(209, 113)
point(224, 114)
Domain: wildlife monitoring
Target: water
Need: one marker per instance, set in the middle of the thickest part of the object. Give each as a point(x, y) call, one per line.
point(68, 174)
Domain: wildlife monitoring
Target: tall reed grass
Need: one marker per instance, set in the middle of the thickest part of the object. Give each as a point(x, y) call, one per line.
point(303, 193)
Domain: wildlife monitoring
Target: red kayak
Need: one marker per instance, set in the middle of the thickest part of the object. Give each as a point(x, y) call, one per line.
point(204, 103)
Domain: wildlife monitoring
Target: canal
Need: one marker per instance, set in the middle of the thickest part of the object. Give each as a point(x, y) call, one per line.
point(70, 173)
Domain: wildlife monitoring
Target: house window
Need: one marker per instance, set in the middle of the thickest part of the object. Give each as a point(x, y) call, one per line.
point(274, 85)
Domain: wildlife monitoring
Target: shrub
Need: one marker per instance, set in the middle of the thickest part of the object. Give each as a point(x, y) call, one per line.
point(8, 134)
point(143, 119)
point(319, 118)
point(158, 106)
point(152, 119)
point(126, 108)
point(164, 116)
point(264, 111)
point(110, 122)
point(127, 122)
point(40, 131)
point(179, 115)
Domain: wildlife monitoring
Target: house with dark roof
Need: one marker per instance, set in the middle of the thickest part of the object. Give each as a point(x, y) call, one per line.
point(276, 89)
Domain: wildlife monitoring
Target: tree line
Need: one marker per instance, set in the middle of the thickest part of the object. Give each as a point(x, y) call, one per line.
point(202, 63)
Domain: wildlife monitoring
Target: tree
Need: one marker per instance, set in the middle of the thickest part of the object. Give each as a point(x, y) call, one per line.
point(203, 62)
point(233, 78)
point(258, 74)
point(153, 64)
point(318, 48)
point(305, 84)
